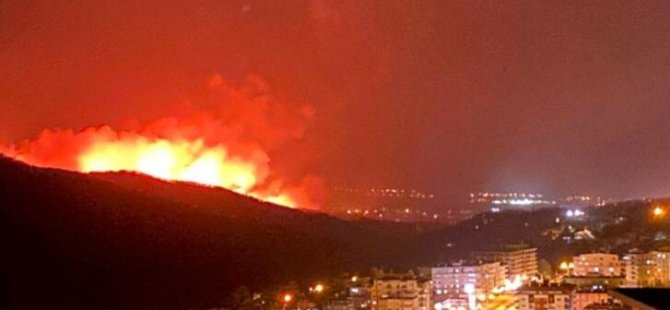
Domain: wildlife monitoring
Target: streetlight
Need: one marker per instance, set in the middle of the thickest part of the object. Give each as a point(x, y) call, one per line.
point(319, 288)
point(286, 299)
point(658, 212)
point(567, 267)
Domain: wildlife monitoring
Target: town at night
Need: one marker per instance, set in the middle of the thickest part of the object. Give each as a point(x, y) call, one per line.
point(335, 155)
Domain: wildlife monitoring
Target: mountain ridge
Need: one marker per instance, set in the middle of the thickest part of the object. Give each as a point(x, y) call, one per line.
point(125, 240)
point(117, 240)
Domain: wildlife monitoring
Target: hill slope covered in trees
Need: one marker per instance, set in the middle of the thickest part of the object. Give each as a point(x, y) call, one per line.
point(124, 240)
point(127, 240)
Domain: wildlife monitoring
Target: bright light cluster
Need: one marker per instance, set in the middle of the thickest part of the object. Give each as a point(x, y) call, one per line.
point(575, 213)
point(511, 199)
point(388, 192)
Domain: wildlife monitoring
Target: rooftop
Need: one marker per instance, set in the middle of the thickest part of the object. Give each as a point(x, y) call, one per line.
point(400, 277)
point(643, 298)
point(508, 248)
point(547, 287)
point(465, 263)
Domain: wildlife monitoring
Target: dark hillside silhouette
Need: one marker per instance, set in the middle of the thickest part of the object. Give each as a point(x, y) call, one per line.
point(126, 240)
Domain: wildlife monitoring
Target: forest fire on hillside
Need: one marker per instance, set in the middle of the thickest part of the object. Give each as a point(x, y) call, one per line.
point(227, 142)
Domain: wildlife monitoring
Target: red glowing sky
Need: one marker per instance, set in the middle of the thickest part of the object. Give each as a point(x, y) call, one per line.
point(445, 96)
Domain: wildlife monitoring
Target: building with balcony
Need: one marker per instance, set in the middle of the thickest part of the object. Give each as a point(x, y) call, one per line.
point(450, 280)
point(584, 298)
point(595, 281)
point(545, 296)
point(599, 264)
point(647, 268)
point(401, 292)
point(518, 259)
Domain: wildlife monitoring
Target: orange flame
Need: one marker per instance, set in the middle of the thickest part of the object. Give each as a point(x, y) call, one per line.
point(227, 147)
point(178, 160)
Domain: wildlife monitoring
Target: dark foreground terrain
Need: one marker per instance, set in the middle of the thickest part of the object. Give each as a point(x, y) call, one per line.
point(123, 240)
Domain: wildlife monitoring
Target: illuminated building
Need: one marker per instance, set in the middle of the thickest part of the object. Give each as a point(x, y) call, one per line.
point(647, 269)
point(638, 268)
point(449, 280)
point(545, 296)
point(356, 296)
point(583, 298)
point(662, 265)
point(518, 259)
point(401, 292)
point(592, 281)
point(601, 264)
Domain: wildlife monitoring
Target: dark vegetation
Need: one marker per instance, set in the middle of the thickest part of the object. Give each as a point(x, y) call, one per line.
point(122, 240)
point(615, 228)
point(127, 241)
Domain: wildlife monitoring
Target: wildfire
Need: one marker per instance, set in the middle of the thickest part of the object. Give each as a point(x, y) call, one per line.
point(178, 160)
point(227, 147)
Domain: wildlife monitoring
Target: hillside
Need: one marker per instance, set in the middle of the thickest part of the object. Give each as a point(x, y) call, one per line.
point(125, 240)
point(616, 228)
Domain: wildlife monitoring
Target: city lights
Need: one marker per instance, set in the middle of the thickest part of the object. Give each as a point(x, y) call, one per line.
point(335, 155)
point(510, 199)
point(575, 213)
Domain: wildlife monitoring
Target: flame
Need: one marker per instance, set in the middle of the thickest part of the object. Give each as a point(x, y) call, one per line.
point(226, 146)
point(180, 161)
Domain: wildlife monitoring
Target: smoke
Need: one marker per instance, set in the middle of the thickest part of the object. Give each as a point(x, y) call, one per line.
point(226, 137)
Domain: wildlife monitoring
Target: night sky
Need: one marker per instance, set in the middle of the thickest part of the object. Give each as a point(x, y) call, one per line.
point(560, 97)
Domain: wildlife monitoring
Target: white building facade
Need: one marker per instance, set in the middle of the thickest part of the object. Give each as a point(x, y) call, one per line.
point(602, 264)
